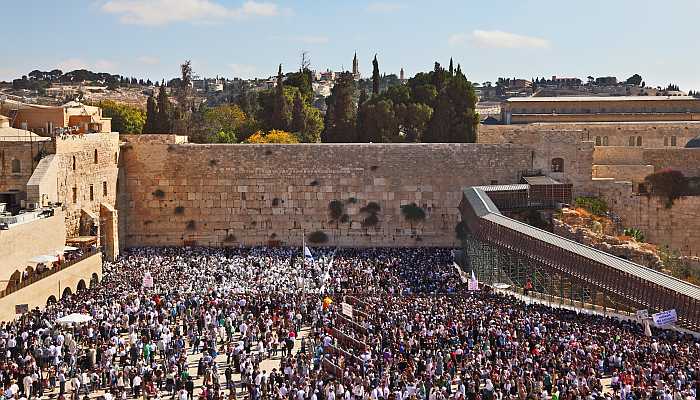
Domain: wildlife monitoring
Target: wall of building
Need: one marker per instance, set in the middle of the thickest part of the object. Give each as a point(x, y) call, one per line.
point(619, 117)
point(22, 242)
point(86, 173)
point(684, 160)
point(251, 194)
point(25, 152)
point(55, 285)
point(633, 173)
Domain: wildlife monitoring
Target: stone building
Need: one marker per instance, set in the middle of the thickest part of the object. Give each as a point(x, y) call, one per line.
point(50, 120)
point(524, 110)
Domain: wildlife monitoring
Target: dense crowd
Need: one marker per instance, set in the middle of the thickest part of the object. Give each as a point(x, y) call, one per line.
point(263, 323)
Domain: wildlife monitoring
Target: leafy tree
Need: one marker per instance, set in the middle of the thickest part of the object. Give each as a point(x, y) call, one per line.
point(635, 79)
point(301, 80)
point(341, 113)
point(379, 123)
point(375, 76)
point(151, 124)
point(274, 136)
point(454, 118)
point(125, 118)
point(416, 119)
point(183, 95)
point(226, 124)
point(313, 125)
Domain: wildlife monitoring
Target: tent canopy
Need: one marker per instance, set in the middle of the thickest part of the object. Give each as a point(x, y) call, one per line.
point(75, 318)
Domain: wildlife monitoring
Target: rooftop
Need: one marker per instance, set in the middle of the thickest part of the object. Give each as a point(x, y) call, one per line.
point(599, 98)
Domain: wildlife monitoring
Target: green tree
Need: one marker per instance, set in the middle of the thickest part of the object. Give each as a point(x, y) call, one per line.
point(454, 118)
point(280, 117)
point(298, 117)
point(125, 118)
point(151, 124)
point(375, 76)
point(302, 80)
point(226, 124)
point(341, 114)
point(635, 79)
point(164, 120)
point(379, 123)
point(452, 70)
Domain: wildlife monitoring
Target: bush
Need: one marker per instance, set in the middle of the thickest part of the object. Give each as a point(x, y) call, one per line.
point(313, 183)
point(634, 233)
point(191, 225)
point(370, 220)
point(344, 219)
point(371, 208)
point(275, 202)
point(352, 200)
point(159, 193)
point(317, 237)
point(230, 238)
point(335, 208)
point(594, 205)
point(179, 210)
point(412, 212)
point(669, 184)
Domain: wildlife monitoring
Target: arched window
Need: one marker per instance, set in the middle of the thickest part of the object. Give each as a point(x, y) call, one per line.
point(557, 164)
point(631, 143)
point(597, 141)
point(605, 140)
point(73, 163)
point(639, 141)
point(95, 156)
point(665, 140)
point(673, 141)
point(16, 166)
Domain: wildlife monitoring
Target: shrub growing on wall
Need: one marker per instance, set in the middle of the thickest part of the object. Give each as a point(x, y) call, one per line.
point(371, 208)
point(335, 208)
point(179, 210)
point(413, 213)
point(634, 233)
point(159, 193)
point(317, 237)
point(594, 205)
point(668, 184)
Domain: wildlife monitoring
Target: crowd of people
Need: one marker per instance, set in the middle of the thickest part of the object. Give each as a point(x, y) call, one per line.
point(266, 323)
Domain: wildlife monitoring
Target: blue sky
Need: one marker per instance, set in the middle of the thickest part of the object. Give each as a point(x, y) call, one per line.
point(149, 38)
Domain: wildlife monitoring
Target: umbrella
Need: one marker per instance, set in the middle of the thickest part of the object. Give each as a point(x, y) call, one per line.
point(74, 318)
point(501, 285)
point(70, 248)
point(44, 259)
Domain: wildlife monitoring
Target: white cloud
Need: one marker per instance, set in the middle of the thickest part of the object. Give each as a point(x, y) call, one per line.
point(162, 12)
point(101, 65)
point(104, 66)
point(72, 64)
point(148, 60)
point(384, 7)
point(498, 39)
point(243, 70)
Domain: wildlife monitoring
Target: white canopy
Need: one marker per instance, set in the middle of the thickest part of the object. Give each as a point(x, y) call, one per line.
point(74, 318)
point(501, 285)
point(44, 259)
point(70, 248)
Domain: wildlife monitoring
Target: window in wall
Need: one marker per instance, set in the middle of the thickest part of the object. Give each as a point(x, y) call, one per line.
point(631, 143)
point(104, 189)
point(73, 163)
point(75, 195)
point(95, 156)
point(557, 164)
point(16, 166)
point(605, 140)
point(598, 141)
point(673, 141)
point(92, 193)
point(115, 157)
point(639, 141)
point(665, 141)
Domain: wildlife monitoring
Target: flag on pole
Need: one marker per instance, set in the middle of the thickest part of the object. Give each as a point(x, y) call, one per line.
point(473, 283)
point(307, 254)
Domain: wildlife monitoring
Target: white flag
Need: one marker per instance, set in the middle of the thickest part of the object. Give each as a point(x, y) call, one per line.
point(307, 254)
point(473, 283)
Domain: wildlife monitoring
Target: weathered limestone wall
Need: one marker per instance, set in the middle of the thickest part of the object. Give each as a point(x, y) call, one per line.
point(684, 160)
point(22, 242)
point(653, 134)
point(229, 194)
point(634, 173)
point(86, 174)
point(678, 226)
point(619, 155)
point(55, 285)
point(25, 152)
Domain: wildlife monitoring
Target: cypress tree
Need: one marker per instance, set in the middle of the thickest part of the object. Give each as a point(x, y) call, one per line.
point(359, 125)
point(151, 125)
point(163, 123)
point(279, 112)
point(452, 70)
point(375, 76)
point(341, 118)
point(298, 122)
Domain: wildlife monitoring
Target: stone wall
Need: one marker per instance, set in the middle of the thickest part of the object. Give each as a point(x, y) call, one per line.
point(252, 194)
point(633, 173)
point(78, 170)
point(26, 153)
point(684, 160)
point(22, 242)
point(53, 286)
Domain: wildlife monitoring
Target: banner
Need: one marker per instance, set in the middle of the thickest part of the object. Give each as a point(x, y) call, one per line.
point(665, 317)
point(346, 309)
point(473, 284)
point(147, 280)
point(642, 314)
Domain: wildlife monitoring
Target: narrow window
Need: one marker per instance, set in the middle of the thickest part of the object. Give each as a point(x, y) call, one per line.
point(597, 141)
point(92, 193)
point(73, 163)
point(673, 141)
point(104, 189)
point(639, 141)
point(605, 140)
point(95, 156)
point(16, 166)
point(75, 195)
point(665, 141)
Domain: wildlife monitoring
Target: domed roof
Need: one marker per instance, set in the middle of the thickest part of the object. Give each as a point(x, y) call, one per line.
point(693, 143)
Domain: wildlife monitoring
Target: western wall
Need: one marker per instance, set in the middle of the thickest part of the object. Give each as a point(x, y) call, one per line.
point(178, 193)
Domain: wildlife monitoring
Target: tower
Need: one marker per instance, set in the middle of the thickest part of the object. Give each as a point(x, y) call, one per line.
point(355, 67)
point(401, 75)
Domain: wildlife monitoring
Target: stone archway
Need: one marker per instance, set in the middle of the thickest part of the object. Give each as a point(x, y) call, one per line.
point(94, 280)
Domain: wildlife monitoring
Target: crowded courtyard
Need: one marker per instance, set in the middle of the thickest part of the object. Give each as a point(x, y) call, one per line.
point(269, 323)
